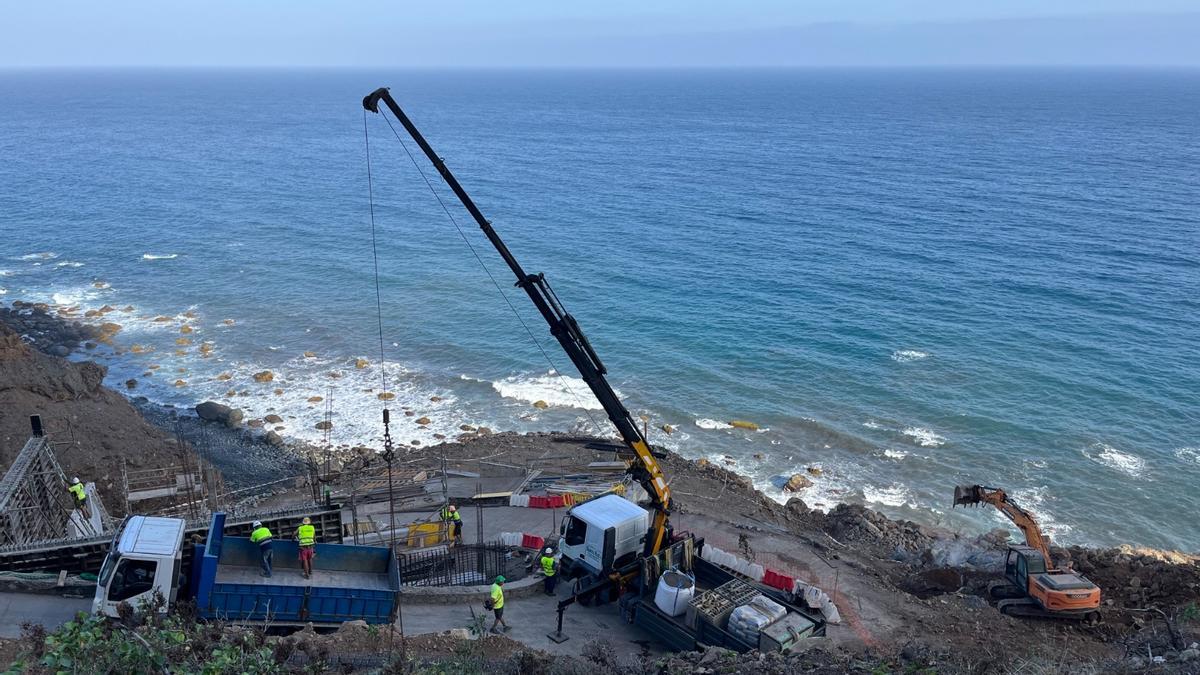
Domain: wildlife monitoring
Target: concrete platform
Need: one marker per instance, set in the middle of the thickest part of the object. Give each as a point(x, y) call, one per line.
point(285, 576)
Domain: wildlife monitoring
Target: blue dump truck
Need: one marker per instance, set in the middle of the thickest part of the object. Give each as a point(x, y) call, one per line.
point(348, 583)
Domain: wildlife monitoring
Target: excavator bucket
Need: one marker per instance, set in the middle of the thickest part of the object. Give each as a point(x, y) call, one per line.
point(967, 495)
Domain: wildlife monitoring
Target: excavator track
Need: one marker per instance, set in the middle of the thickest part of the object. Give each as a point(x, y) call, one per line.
point(1027, 608)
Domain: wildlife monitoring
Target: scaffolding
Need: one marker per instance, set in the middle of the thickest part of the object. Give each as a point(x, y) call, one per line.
point(35, 504)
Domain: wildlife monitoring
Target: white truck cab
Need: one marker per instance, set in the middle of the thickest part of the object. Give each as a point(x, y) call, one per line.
point(147, 557)
point(602, 533)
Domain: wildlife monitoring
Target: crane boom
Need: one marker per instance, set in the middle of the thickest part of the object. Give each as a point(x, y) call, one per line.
point(565, 329)
point(981, 494)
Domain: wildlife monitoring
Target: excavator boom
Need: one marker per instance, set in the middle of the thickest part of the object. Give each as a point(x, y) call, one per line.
point(972, 495)
point(565, 329)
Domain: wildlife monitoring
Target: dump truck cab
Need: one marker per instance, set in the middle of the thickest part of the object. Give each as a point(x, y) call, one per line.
point(146, 559)
point(602, 534)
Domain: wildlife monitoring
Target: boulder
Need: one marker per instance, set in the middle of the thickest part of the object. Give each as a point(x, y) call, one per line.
point(315, 399)
point(191, 314)
point(107, 308)
point(186, 329)
point(310, 355)
point(466, 427)
point(335, 374)
point(541, 405)
point(234, 418)
point(668, 429)
point(323, 425)
point(255, 424)
point(264, 376)
point(180, 383)
point(273, 438)
point(130, 383)
point(797, 482)
point(814, 471)
point(435, 399)
point(483, 431)
point(386, 396)
point(225, 376)
point(423, 421)
point(796, 506)
point(273, 419)
point(228, 322)
point(702, 463)
point(743, 424)
point(361, 363)
point(162, 319)
point(60, 350)
point(407, 413)
point(183, 342)
point(91, 313)
point(90, 345)
point(279, 392)
point(213, 411)
point(206, 348)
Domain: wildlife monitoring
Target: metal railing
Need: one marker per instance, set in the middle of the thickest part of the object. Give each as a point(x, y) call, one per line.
point(466, 565)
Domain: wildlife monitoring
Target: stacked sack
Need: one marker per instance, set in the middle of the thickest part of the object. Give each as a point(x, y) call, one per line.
point(747, 621)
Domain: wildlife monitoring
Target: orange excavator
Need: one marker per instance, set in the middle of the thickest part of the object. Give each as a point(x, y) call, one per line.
point(1034, 586)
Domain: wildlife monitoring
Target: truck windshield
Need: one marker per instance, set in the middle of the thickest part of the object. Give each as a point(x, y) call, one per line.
point(133, 577)
point(110, 563)
point(575, 532)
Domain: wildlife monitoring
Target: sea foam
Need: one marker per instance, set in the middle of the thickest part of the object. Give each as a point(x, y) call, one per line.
point(892, 495)
point(1189, 454)
point(706, 423)
point(1112, 458)
point(46, 255)
point(924, 437)
point(905, 355)
point(159, 256)
point(556, 390)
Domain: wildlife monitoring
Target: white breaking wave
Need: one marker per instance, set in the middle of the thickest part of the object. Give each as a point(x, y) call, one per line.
point(69, 263)
point(47, 255)
point(870, 424)
point(162, 256)
point(893, 495)
point(3, 291)
point(924, 437)
point(705, 423)
point(1188, 454)
point(1034, 500)
point(556, 390)
point(905, 355)
point(894, 454)
point(1109, 456)
point(6, 273)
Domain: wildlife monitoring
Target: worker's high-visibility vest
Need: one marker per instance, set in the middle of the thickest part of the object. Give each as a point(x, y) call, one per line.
point(307, 534)
point(497, 596)
point(77, 490)
point(261, 536)
point(447, 514)
point(548, 565)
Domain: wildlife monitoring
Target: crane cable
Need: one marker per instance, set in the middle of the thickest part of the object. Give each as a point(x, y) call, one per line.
point(387, 435)
point(454, 221)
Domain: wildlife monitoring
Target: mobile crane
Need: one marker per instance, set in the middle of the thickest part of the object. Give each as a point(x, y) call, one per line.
point(644, 469)
point(1034, 586)
point(615, 549)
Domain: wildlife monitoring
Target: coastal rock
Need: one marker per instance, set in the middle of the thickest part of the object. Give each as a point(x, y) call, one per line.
point(435, 399)
point(212, 411)
point(264, 376)
point(361, 363)
point(255, 424)
point(814, 471)
point(180, 383)
point(228, 322)
point(130, 383)
point(161, 319)
point(140, 349)
point(466, 427)
point(335, 374)
point(206, 348)
point(127, 308)
point(407, 413)
point(796, 506)
point(743, 424)
point(315, 399)
point(91, 313)
point(797, 482)
point(668, 429)
point(234, 418)
point(225, 376)
point(439, 436)
point(90, 345)
point(191, 314)
point(107, 308)
point(279, 392)
point(483, 431)
point(423, 421)
point(273, 419)
point(186, 329)
point(273, 438)
point(183, 341)
point(60, 351)
point(310, 355)
point(541, 405)
point(702, 463)
point(154, 366)
point(180, 352)
point(386, 396)
point(323, 425)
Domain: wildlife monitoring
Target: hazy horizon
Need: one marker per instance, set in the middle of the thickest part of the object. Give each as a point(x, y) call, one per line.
point(931, 33)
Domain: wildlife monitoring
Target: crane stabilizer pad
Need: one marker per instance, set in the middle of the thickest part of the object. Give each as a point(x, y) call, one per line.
point(558, 638)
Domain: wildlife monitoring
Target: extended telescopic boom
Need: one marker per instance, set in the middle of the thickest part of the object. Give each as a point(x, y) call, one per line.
point(565, 329)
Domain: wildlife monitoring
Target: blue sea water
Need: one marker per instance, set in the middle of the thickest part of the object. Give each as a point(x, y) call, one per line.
point(910, 279)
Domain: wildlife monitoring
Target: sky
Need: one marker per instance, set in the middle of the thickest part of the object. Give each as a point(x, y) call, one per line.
point(612, 33)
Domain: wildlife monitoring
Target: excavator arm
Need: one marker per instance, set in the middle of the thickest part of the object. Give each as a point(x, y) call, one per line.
point(565, 329)
point(973, 495)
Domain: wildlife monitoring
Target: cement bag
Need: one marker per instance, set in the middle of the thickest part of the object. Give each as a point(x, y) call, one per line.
point(675, 591)
point(747, 621)
point(830, 611)
point(711, 553)
point(812, 596)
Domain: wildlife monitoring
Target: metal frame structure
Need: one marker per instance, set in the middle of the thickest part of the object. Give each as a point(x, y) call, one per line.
point(35, 505)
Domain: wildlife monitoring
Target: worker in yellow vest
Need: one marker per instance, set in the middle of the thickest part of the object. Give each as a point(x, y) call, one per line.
point(453, 518)
point(548, 566)
point(262, 536)
point(496, 604)
point(306, 536)
point(76, 490)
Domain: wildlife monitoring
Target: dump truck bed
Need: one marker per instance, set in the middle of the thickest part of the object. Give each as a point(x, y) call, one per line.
point(348, 582)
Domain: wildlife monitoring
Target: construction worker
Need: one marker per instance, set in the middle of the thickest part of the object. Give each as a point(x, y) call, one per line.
point(306, 535)
point(76, 489)
point(497, 604)
point(451, 515)
point(262, 536)
point(548, 565)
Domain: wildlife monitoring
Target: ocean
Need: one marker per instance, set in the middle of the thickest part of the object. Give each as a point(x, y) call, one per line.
point(910, 279)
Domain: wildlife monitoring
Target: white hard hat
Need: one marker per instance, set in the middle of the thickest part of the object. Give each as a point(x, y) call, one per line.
point(75, 480)
point(548, 551)
point(257, 523)
point(453, 508)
